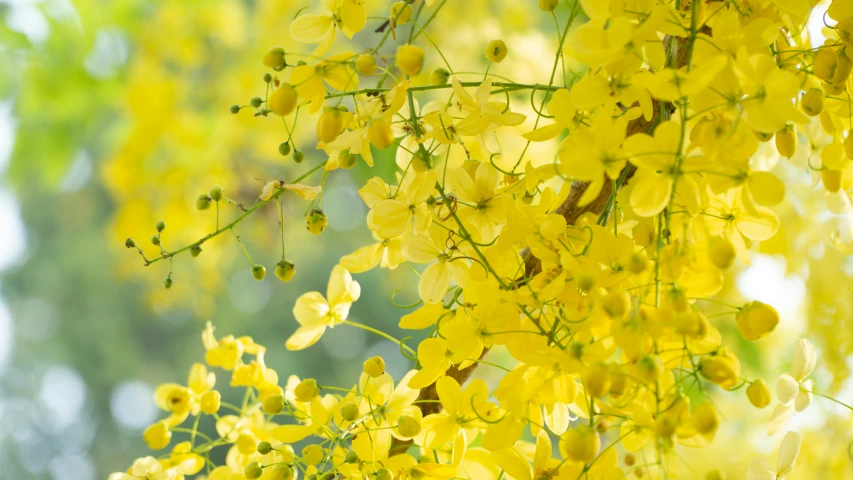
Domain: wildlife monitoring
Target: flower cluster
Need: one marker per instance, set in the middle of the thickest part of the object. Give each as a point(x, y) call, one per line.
point(593, 268)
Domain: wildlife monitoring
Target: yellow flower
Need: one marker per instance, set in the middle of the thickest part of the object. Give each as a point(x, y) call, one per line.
point(348, 15)
point(760, 468)
point(435, 280)
point(794, 389)
point(315, 313)
point(660, 171)
point(392, 217)
point(335, 70)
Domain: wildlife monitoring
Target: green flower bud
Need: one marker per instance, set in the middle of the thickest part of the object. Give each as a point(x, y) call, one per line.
point(253, 470)
point(216, 193)
point(298, 157)
point(347, 161)
point(273, 404)
point(155, 239)
point(384, 474)
point(316, 221)
point(195, 250)
point(352, 457)
point(548, 5)
point(203, 202)
point(267, 78)
point(285, 270)
point(284, 149)
point(167, 283)
point(349, 412)
point(439, 76)
point(264, 448)
point(259, 272)
point(129, 243)
point(256, 101)
point(161, 225)
point(235, 109)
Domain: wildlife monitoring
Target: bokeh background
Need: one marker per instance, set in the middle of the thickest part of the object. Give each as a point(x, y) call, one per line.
point(114, 114)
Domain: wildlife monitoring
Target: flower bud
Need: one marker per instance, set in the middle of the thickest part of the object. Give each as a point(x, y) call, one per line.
point(831, 179)
point(722, 368)
point(155, 239)
point(384, 474)
point(705, 419)
point(211, 401)
point(439, 76)
point(284, 149)
point(715, 475)
point(298, 157)
point(758, 394)
point(409, 426)
point(548, 5)
point(825, 64)
point(267, 78)
point(264, 448)
point(786, 141)
point(282, 100)
point(282, 472)
point(756, 320)
point(306, 390)
point(812, 102)
point(274, 58)
point(273, 404)
point(253, 470)
point(157, 436)
point(580, 444)
point(721, 252)
point(410, 59)
point(256, 101)
point(630, 460)
point(316, 221)
point(235, 109)
point(351, 457)
point(842, 69)
point(216, 193)
point(365, 65)
point(161, 225)
point(650, 368)
point(347, 160)
point(596, 380)
point(496, 51)
point(374, 366)
point(285, 270)
point(168, 282)
point(617, 304)
point(330, 125)
point(129, 243)
point(379, 133)
point(401, 13)
point(691, 323)
point(638, 262)
point(259, 271)
point(349, 412)
point(203, 202)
